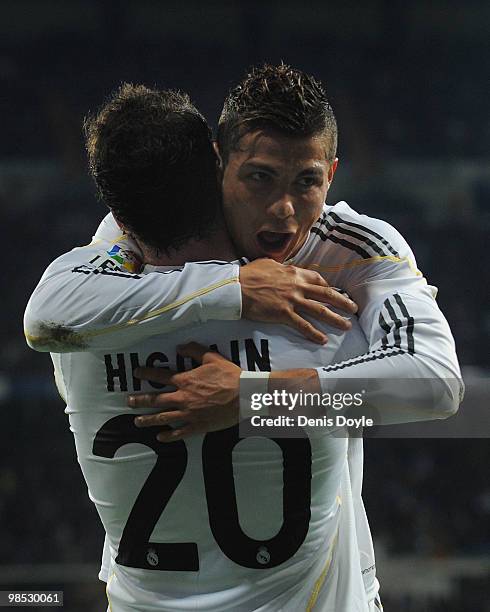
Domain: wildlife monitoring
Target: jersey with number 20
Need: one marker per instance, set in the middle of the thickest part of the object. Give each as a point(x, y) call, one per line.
point(215, 523)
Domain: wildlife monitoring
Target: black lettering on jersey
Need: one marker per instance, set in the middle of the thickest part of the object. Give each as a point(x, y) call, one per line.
point(113, 372)
point(254, 358)
point(107, 266)
point(182, 365)
point(115, 365)
point(84, 270)
point(235, 352)
point(152, 362)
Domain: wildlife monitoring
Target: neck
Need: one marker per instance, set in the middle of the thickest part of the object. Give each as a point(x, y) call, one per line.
point(217, 246)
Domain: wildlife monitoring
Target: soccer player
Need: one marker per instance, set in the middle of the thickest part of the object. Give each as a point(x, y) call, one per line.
point(275, 108)
point(216, 523)
point(276, 121)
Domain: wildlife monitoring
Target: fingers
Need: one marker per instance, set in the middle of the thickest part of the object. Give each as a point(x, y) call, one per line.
point(160, 419)
point(159, 375)
point(318, 288)
point(177, 434)
point(306, 328)
point(155, 400)
point(313, 278)
point(324, 314)
point(331, 296)
point(198, 352)
point(194, 350)
point(165, 419)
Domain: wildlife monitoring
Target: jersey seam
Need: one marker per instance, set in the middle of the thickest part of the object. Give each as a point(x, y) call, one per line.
point(107, 590)
point(321, 579)
point(361, 262)
point(99, 240)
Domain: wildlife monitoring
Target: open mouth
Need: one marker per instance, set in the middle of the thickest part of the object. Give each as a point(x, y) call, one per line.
point(274, 244)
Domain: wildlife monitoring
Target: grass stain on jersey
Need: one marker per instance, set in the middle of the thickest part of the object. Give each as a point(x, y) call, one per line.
point(59, 338)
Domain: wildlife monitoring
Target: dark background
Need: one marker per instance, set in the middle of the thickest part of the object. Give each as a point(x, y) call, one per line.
point(409, 84)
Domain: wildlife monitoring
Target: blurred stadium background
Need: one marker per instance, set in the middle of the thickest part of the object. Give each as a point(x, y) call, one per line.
point(410, 89)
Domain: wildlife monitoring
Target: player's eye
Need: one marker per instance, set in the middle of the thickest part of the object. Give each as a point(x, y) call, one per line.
point(307, 181)
point(259, 177)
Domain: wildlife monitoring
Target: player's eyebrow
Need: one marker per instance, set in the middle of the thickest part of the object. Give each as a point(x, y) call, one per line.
point(251, 165)
point(315, 170)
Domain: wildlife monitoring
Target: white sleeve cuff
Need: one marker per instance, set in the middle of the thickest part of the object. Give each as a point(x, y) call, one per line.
point(254, 382)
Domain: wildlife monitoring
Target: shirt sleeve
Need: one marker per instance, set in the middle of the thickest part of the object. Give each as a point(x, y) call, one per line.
point(94, 298)
point(411, 371)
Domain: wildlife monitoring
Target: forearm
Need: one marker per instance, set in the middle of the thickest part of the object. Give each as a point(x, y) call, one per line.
point(408, 392)
point(86, 306)
point(99, 298)
point(410, 373)
point(400, 388)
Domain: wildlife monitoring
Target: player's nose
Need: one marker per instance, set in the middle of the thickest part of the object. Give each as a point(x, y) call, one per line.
point(282, 207)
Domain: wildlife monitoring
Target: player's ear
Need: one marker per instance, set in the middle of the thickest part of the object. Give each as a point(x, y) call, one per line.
point(216, 150)
point(332, 169)
point(219, 165)
point(120, 224)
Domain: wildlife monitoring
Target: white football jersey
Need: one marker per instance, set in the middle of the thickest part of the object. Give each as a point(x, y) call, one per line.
point(215, 522)
point(408, 337)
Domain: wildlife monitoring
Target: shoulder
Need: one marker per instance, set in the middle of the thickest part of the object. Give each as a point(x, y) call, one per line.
point(99, 257)
point(363, 236)
point(351, 248)
point(108, 230)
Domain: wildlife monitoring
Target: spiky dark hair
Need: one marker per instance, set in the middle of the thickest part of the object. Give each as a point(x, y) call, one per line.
point(280, 98)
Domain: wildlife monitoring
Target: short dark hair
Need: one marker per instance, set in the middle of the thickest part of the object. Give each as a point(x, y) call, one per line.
point(152, 158)
point(277, 97)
